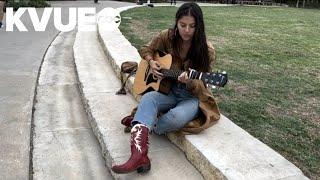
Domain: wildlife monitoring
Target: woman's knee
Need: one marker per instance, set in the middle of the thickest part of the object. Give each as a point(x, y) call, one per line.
point(150, 96)
point(179, 118)
point(172, 120)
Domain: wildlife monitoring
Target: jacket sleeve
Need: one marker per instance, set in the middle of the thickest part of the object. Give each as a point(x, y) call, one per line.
point(157, 43)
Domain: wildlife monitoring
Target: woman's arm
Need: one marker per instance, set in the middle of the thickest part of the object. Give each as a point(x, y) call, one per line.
point(157, 43)
point(147, 52)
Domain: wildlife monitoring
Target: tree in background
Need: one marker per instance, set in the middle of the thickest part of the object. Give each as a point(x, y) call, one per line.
point(27, 3)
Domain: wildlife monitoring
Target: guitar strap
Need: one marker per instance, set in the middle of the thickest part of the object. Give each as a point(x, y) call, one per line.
point(129, 67)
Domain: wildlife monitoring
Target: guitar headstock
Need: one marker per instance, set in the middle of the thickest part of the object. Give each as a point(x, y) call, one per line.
point(218, 79)
point(214, 78)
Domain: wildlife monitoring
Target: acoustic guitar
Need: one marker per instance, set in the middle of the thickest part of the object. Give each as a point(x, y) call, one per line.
point(146, 81)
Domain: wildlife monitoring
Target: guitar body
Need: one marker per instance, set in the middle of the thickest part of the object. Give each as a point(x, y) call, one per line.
point(145, 81)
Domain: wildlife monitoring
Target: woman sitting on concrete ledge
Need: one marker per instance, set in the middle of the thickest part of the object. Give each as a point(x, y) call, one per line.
point(189, 106)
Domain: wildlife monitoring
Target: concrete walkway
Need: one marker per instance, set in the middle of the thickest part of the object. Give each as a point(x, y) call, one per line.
point(64, 144)
point(21, 54)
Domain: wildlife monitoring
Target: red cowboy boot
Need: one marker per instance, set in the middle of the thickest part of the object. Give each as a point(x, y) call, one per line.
point(126, 121)
point(139, 152)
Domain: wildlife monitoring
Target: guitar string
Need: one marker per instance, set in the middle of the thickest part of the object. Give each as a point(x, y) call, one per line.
point(195, 75)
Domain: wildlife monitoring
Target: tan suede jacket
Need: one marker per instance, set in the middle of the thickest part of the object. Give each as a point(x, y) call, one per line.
point(207, 104)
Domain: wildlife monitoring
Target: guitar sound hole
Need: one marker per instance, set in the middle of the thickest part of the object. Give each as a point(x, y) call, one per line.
point(161, 53)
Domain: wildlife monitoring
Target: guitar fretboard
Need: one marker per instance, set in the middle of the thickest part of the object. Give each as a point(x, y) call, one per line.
point(174, 74)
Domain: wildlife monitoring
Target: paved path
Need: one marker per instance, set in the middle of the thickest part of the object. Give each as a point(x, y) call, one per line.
point(64, 144)
point(21, 54)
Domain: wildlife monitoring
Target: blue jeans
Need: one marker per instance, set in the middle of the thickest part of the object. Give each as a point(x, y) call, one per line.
point(179, 107)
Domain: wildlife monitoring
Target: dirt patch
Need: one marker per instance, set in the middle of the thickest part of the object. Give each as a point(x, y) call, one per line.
point(140, 26)
point(218, 41)
point(273, 110)
point(239, 89)
point(314, 72)
point(245, 32)
point(306, 111)
point(242, 90)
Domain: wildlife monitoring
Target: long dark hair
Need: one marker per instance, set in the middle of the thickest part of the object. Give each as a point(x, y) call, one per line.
point(198, 52)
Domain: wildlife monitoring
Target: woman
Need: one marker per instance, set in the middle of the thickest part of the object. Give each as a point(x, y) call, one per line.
point(187, 99)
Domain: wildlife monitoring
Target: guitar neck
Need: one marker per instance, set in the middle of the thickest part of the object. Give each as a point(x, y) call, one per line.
point(215, 79)
point(174, 74)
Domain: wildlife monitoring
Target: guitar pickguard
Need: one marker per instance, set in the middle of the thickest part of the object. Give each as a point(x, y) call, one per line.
point(148, 77)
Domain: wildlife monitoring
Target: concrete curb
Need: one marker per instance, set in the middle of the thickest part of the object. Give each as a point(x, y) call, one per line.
point(223, 158)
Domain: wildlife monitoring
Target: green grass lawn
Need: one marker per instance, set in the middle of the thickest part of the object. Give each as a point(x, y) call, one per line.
point(272, 56)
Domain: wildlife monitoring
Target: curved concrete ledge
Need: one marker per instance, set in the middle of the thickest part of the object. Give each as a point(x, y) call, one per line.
point(224, 151)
